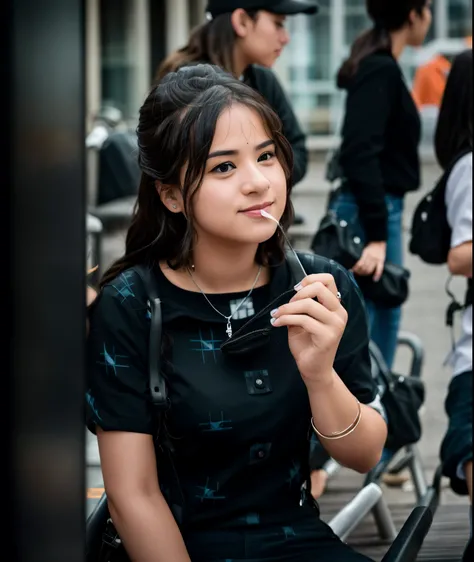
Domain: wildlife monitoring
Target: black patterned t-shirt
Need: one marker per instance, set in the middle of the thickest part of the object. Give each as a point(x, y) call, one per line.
point(239, 421)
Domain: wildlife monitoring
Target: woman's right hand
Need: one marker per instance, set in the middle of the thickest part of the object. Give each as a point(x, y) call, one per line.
point(372, 260)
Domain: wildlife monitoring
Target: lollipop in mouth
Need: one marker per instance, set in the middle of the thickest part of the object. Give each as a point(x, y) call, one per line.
point(271, 217)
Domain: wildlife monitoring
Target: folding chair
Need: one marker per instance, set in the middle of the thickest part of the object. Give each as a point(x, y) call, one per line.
point(368, 500)
point(404, 548)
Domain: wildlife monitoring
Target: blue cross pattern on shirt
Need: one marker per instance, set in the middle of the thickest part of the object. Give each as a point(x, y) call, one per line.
point(124, 287)
point(289, 532)
point(217, 425)
point(208, 493)
point(111, 361)
point(91, 401)
point(206, 346)
point(294, 473)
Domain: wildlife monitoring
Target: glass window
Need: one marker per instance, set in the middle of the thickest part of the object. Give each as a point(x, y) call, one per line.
point(356, 20)
point(308, 62)
point(124, 63)
point(459, 18)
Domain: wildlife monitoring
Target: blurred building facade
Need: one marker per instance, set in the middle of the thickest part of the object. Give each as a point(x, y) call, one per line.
point(126, 40)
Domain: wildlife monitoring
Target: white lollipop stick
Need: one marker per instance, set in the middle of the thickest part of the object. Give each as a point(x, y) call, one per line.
point(269, 216)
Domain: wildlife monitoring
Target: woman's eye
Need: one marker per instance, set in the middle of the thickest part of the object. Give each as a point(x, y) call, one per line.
point(266, 156)
point(224, 168)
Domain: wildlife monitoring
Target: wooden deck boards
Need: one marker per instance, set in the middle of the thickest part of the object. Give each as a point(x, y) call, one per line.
point(445, 541)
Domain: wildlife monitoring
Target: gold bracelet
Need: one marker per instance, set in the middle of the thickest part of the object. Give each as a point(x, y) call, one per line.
point(344, 432)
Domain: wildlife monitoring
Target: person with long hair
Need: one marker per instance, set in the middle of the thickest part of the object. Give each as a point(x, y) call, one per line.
point(378, 156)
point(245, 38)
point(379, 149)
point(254, 361)
point(453, 148)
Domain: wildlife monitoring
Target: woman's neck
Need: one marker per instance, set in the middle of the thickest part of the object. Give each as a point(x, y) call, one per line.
point(399, 42)
point(226, 270)
point(240, 63)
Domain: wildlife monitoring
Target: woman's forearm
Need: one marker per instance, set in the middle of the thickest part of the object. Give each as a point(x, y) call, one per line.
point(460, 260)
point(334, 408)
point(147, 528)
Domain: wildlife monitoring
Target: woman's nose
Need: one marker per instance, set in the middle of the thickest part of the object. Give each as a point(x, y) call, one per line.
point(255, 182)
point(285, 39)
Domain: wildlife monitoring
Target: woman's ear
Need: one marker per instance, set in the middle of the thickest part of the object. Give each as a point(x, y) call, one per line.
point(171, 197)
point(240, 22)
point(412, 17)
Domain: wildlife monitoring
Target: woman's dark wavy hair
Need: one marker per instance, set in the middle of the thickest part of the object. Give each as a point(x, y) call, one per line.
point(212, 42)
point(454, 127)
point(387, 16)
point(176, 127)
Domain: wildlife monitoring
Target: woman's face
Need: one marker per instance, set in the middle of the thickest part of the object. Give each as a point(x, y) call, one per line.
point(242, 176)
point(262, 40)
point(420, 25)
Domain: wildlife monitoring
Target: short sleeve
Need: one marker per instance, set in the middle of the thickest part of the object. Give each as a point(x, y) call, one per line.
point(352, 363)
point(117, 396)
point(459, 201)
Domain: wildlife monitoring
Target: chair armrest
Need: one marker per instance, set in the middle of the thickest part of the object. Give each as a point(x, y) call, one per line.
point(93, 224)
point(415, 345)
point(95, 525)
point(431, 498)
point(408, 542)
point(352, 514)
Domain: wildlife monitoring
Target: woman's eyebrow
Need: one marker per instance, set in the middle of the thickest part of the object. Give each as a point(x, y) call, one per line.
point(263, 144)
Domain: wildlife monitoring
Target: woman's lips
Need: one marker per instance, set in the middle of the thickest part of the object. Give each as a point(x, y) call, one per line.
point(256, 212)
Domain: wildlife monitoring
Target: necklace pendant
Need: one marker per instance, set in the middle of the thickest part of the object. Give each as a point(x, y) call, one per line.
point(229, 329)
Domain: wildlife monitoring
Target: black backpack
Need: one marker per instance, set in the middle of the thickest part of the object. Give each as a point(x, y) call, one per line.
point(430, 230)
point(119, 173)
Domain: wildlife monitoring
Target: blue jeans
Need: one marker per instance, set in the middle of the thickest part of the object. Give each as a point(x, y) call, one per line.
point(383, 322)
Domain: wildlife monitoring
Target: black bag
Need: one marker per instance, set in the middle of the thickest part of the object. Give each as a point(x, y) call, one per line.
point(336, 239)
point(109, 548)
point(391, 291)
point(402, 398)
point(430, 231)
point(119, 173)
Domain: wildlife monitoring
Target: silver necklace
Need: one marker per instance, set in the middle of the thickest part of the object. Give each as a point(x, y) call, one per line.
point(228, 318)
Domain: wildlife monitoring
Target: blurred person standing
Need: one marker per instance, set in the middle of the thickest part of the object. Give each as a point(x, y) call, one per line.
point(379, 151)
point(378, 159)
point(245, 38)
point(453, 147)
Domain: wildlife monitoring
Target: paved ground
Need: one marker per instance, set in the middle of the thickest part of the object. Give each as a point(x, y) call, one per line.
point(423, 315)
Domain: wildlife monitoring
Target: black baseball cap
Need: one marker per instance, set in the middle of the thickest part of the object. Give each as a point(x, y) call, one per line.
point(281, 7)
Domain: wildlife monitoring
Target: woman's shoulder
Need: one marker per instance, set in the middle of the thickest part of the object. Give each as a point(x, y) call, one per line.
point(378, 66)
point(314, 263)
point(125, 288)
point(463, 165)
point(260, 77)
point(460, 177)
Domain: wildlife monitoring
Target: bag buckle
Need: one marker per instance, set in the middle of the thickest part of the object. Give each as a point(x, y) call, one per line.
point(110, 536)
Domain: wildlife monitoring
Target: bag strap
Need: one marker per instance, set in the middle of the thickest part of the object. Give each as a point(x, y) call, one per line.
point(158, 391)
point(455, 306)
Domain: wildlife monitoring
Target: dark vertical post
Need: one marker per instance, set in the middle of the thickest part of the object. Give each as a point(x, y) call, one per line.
point(46, 175)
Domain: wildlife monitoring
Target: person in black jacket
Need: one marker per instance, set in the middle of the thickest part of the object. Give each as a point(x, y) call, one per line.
point(245, 38)
point(378, 157)
point(379, 151)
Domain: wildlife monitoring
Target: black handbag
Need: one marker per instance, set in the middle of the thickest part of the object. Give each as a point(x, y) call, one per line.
point(338, 240)
point(402, 398)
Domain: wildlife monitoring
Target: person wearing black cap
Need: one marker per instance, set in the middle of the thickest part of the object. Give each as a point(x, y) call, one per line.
point(245, 37)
